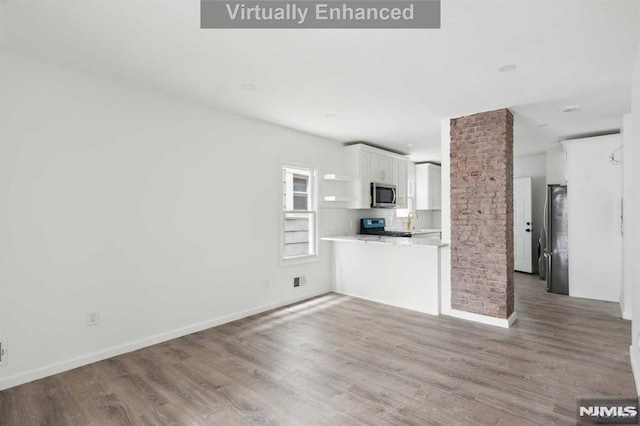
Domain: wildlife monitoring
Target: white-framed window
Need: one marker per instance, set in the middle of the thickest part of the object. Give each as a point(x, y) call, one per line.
point(299, 213)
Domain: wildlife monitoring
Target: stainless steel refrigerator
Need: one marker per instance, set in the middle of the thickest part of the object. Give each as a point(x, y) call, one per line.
point(556, 252)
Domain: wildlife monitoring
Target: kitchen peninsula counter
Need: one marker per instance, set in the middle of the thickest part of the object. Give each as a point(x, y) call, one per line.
point(397, 241)
point(403, 272)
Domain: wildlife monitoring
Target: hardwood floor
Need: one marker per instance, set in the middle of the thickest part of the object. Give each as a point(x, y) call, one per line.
point(336, 360)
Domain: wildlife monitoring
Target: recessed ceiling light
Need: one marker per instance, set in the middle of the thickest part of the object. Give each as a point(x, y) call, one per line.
point(542, 125)
point(507, 68)
point(409, 144)
point(571, 108)
point(249, 87)
point(329, 116)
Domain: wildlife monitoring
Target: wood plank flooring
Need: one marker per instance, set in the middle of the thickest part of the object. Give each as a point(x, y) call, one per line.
point(336, 360)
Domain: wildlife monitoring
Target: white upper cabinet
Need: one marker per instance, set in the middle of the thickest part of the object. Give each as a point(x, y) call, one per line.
point(411, 181)
point(362, 187)
point(428, 191)
point(381, 170)
point(400, 180)
point(556, 161)
point(371, 164)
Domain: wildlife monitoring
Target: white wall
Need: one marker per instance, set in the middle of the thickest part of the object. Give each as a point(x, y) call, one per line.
point(632, 224)
point(555, 166)
point(445, 252)
point(593, 205)
point(162, 215)
point(534, 166)
point(628, 193)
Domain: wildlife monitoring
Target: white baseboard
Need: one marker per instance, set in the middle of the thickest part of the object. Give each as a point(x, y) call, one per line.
point(484, 319)
point(80, 361)
point(634, 355)
point(625, 314)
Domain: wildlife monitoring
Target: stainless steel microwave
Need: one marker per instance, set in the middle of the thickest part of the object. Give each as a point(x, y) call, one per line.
point(383, 195)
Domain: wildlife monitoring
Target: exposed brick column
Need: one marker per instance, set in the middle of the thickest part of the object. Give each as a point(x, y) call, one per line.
point(482, 213)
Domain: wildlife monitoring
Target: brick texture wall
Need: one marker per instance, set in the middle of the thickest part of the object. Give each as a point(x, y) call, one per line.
point(482, 213)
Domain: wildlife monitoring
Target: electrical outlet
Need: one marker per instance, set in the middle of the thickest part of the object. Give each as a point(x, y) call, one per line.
point(93, 318)
point(4, 351)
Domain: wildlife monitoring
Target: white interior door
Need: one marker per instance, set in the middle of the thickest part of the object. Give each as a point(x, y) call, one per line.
point(522, 226)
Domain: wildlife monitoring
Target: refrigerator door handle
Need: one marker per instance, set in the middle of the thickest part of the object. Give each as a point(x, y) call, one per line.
point(544, 215)
point(548, 256)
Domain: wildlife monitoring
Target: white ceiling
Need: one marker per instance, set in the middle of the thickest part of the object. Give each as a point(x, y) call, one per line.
point(387, 87)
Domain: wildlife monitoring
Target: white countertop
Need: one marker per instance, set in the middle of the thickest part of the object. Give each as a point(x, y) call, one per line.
point(415, 231)
point(389, 241)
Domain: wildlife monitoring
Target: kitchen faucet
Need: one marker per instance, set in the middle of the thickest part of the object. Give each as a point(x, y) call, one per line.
point(409, 218)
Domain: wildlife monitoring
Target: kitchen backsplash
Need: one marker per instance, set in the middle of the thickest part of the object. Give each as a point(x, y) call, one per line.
point(436, 220)
point(426, 218)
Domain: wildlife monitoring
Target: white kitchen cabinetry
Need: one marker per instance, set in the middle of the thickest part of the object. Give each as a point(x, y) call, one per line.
point(556, 163)
point(428, 191)
point(412, 283)
point(400, 179)
point(411, 180)
point(371, 164)
point(381, 170)
point(362, 188)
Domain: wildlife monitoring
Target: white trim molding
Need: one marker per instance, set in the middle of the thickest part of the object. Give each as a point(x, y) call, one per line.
point(49, 370)
point(484, 319)
point(634, 355)
point(625, 314)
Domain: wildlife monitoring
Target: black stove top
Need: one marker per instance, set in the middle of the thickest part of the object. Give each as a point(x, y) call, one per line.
point(396, 234)
point(375, 226)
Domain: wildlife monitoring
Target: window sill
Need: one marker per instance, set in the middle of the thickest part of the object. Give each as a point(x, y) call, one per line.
point(299, 260)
